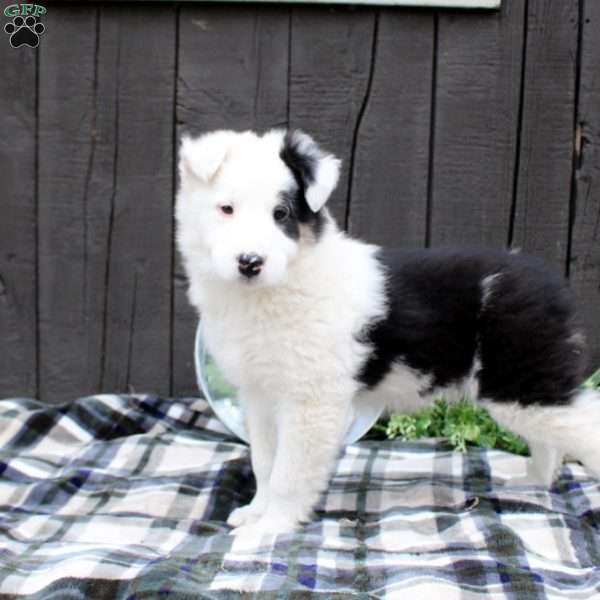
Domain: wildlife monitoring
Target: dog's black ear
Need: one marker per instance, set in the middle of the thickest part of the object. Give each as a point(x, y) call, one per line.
point(315, 171)
point(202, 157)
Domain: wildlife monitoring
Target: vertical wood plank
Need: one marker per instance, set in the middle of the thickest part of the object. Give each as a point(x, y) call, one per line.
point(70, 319)
point(18, 284)
point(105, 200)
point(241, 85)
point(388, 203)
point(585, 251)
point(544, 180)
point(476, 123)
point(331, 53)
point(232, 73)
point(137, 342)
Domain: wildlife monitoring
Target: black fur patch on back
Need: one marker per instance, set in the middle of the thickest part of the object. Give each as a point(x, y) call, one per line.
point(440, 321)
point(302, 164)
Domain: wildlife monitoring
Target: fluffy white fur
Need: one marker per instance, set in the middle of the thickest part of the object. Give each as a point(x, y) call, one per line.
point(273, 337)
point(288, 338)
point(552, 432)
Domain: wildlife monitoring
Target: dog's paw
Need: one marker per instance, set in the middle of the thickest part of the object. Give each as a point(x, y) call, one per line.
point(244, 515)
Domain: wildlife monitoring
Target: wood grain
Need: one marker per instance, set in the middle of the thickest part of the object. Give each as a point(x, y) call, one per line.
point(388, 201)
point(105, 200)
point(137, 336)
point(331, 54)
point(585, 251)
point(70, 314)
point(18, 280)
point(542, 200)
point(476, 123)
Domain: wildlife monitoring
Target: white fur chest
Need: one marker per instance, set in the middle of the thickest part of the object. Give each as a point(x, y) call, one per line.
point(247, 337)
point(299, 331)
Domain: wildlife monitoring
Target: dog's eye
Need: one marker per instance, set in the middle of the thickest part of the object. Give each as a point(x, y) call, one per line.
point(226, 209)
point(281, 213)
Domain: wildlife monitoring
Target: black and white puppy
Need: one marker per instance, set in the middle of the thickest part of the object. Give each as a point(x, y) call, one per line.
point(305, 321)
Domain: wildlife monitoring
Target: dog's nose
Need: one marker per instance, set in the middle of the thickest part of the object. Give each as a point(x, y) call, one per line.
point(249, 265)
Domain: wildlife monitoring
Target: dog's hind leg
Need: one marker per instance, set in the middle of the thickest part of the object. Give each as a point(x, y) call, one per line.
point(542, 466)
point(553, 431)
point(544, 463)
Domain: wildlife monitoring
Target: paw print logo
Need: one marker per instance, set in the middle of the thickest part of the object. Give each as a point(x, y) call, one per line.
point(24, 31)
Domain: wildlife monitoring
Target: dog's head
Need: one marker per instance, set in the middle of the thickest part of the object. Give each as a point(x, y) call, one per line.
point(248, 203)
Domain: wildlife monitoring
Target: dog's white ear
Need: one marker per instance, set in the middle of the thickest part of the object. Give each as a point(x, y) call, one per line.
point(317, 171)
point(202, 157)
point(326, 177)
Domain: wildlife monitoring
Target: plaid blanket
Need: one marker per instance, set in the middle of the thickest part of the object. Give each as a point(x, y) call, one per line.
point(126, 497)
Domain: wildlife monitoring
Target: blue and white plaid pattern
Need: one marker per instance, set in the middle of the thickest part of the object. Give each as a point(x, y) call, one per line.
point(127, 496)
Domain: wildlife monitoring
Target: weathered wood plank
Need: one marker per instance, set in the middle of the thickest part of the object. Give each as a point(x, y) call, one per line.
point(18, 283)
point(544, 178)
point(233, 69)
point(69, 315)
point(388, 203)
point(585, 250)
point(105, 200)
point(330, 64)
point(137, 342)
point(476, 124)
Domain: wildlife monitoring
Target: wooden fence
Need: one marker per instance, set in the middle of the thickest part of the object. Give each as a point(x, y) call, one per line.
point(455, 127)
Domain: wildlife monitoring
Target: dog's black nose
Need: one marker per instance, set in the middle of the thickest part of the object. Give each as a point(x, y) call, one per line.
point(249, 265)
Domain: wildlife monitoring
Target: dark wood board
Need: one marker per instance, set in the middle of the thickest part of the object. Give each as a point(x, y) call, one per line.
point(585, 250)
point(388, 200)
point(476, 122)
point(541, 217)
point(18, 280)
point(331, 60)
point(105, 200)
point(70, 317)
point(232, 74)
point(137, 337)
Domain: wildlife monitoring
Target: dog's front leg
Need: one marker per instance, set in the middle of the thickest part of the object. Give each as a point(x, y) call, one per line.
point(260, 424)
point(310, 430)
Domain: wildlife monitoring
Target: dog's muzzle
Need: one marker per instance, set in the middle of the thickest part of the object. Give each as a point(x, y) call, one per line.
point(250, 265)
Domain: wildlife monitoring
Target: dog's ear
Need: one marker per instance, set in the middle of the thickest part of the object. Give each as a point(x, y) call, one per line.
point(202, 157)
point(315, 171)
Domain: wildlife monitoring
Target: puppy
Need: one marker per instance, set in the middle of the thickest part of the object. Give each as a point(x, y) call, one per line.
point(305, 320)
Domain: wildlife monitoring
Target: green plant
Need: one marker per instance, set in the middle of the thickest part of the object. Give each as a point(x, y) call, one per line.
point(593, 381)
point(462, 423)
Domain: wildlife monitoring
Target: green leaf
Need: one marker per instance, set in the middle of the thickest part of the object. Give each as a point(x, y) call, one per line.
point(462, 423)
point(593, 381)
